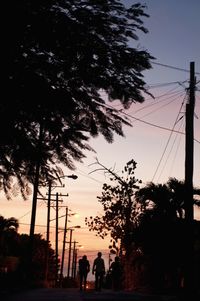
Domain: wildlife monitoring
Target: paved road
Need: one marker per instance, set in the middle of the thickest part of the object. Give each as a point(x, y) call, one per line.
point(54, 294)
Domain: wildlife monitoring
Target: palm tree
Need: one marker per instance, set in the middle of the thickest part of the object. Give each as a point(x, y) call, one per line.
point(162, 228)
point(177, 189)
point(166, 199)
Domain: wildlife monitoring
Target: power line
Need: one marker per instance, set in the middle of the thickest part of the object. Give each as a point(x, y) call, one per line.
point(157, 126)
point(170, 151)
point(175, 155)
point(172, 67)
point(28, 212)
point(163, 105)
point(44, 226)
point(159, 163)
point(171, 93)
point(87, 176)
point(143, 121)
point(160, 85)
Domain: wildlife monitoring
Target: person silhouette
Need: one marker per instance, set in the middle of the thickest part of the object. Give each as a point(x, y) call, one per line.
point(84, 268)
point(99, 270)
point(116, 274)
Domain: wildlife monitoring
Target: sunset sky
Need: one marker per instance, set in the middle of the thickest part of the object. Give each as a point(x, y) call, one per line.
point(173, 40)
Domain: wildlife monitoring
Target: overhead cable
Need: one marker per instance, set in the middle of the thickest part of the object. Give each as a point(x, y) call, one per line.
point(173, 67)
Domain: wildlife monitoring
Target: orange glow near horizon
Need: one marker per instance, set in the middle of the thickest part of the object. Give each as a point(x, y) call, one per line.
point(172, 31)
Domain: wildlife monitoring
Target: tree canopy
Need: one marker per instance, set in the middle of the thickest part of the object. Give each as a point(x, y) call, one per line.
point(16, 246)
point(166, 200)
point(121, 211)
point(8, 234)
point(60, 56)
point(135, 215)
point(147, 224)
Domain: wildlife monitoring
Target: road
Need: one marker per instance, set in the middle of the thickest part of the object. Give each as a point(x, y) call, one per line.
point(56, 294)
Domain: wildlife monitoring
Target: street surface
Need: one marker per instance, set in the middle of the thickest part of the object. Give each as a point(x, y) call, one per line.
point(57, 294)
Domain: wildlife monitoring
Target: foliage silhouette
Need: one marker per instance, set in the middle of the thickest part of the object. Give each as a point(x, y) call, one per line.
point(8, 235)
point(16, 246)
point(147, 225)
point(60, 57)
point(121, 212)
point(161, 234)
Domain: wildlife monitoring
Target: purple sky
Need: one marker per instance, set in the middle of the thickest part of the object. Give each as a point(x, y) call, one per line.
point(173, 39)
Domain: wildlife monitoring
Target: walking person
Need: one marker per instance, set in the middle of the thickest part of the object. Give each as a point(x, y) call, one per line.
point(99, 271)
point(84, 268)
point(116, 274)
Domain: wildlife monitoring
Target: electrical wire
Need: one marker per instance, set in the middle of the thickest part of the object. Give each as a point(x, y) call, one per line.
point(172, 67)
point(160, 85)
point(171, 92)
point(87, 176)
point(159, 163)
point(163, 105)
point(148, 123)
point(143, 121)
point(176, 151)
point(170, 151)
point(28, 212)
point(154, 103)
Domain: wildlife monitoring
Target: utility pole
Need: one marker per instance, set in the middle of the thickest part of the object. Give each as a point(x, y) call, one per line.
point(48, 228)
point(75, 262)
point(73, 259)
point(75, 255)
point(56, 230)
point(56, 242)
point(47, 236)
point(189, 210)
point(70, 248)
point(34, 202)
point(48, 224)
point(36, 184)
point(63, 249)
point(56, 235)
point(109, 261)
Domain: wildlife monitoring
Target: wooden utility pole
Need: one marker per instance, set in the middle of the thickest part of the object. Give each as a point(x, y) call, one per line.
point(56, 242)
point(48, 228)
point(56, 230)
point(34, 203)
point(189, 210)
point(47, 236)
point(69, 257)
point(36, 183)
point(73, 274)
point(63, 249)
point(56, 236)
point(75, 262)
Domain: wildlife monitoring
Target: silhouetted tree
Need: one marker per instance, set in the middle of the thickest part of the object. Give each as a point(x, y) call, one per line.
point(147, 219)
point(121, 212)
point(36, 273)
point(8, 235)
point(161, 234)
point(15, 245)
point(60, 57)
point(166, 199)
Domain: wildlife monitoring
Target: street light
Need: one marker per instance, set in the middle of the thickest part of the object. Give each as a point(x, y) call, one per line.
point(74, 177)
